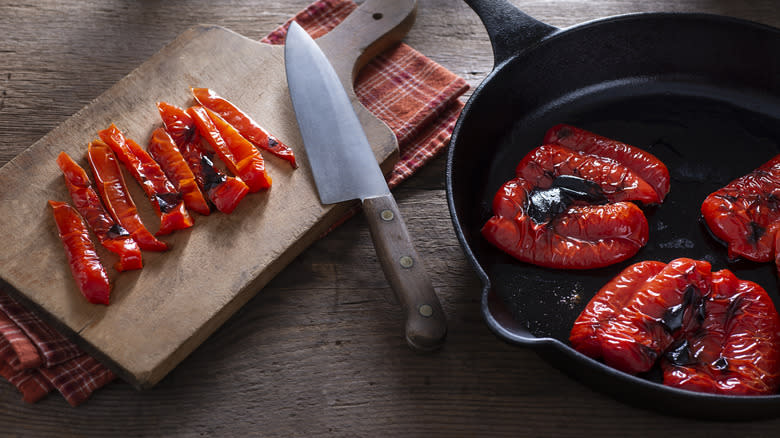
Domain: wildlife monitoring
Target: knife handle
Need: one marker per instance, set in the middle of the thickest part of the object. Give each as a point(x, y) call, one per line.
point(426, 325)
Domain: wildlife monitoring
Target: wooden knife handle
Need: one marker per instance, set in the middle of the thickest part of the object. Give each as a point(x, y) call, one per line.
point(426, 325)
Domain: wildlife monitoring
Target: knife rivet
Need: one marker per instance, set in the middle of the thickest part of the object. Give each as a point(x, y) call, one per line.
point(406, 261)
point(425, 310)
point(387, 215)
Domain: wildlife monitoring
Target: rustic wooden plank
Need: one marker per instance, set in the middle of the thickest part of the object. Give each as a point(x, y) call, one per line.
point(317, 351)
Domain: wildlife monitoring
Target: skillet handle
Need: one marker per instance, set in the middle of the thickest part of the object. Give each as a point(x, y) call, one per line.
point(510, 29)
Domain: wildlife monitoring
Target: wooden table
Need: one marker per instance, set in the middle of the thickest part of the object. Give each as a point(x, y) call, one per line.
point(319, 351)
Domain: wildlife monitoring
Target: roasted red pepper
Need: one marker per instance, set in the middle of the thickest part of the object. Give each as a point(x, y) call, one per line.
point(223, 191)
point(618, 183)
point(578, 237)
point(111, 235)
point(736, 349)
point(566, 209)
point(745, 214)
point(163, 149)
point(643, 163)
point(711, 332)
point(238, 154)
point(89, 273)
point(166, 200)
point(248, 128)
point(649, 309)
point(586, 335)
point(111, 186)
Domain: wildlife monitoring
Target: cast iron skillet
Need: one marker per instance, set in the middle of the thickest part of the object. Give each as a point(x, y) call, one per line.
point(701, 92)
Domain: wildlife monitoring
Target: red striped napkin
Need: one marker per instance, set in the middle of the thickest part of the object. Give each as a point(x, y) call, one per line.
point(416, 97)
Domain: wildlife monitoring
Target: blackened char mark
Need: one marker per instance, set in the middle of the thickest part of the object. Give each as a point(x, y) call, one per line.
point(679, 353)
point(545, 204)
point(721, 364)
point(756, 231)
point(116, 230)
point(673, 317)
point(168, 201)
point(211, 176)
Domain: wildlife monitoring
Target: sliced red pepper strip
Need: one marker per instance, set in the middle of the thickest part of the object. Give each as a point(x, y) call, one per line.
point(178, 124)
point(111, 235)
point(655, 311)
point(225, 192)
point(238, 154)
point(745, 215)
point(111, 186)
point(736, 350)
point(166, 200)
point(89, 273)
point(643, 163)
point(248, 128)
point(163, 149)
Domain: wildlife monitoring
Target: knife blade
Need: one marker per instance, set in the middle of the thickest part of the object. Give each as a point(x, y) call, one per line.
point(345, 168)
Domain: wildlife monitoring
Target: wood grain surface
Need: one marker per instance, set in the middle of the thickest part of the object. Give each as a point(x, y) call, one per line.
point(318, 351)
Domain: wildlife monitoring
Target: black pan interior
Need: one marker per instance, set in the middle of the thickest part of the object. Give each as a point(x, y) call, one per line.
point(702, 93)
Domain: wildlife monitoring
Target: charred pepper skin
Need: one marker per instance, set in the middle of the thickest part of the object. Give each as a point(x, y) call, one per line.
point(238, 154)
point(745, 214)
point(582, 237)
point(645, 164)
point(736, 350)
point(586, 335)
point(89, 273)
point(166, 200)
point(570, 210)
point(165, 152)
point(248, 128)
point(648, 310)
point(618, 183)
point(225, 192)
point(710, 331)
point(111, 235)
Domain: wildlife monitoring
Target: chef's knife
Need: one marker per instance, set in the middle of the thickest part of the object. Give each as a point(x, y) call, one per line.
point(345, 169)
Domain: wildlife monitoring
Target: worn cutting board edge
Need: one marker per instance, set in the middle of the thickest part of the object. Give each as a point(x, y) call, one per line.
point(149, 373)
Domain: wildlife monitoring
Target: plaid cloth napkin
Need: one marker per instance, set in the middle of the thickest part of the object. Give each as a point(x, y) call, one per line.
point(417, 98)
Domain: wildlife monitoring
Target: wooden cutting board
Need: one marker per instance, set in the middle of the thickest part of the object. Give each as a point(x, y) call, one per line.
point(159, 314)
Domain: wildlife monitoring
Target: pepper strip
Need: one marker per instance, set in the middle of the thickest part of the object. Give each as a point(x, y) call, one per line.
point(238, 154)
point(111, 186)
point(165, 199)
point(225, 192)
point(111, 235)
point(163, 149)
point(89, 273)
point(250, 129)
